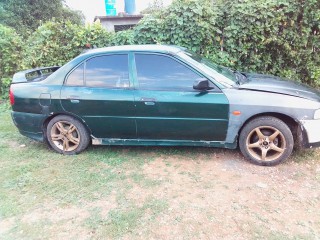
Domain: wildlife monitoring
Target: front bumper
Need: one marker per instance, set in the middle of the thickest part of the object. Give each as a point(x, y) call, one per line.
point(312, 131)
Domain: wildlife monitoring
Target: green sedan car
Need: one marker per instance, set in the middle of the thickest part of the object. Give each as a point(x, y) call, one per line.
point(163, 95)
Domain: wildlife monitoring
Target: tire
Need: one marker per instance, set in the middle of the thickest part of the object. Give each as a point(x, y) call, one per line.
point(67, 135)
point(266, 141)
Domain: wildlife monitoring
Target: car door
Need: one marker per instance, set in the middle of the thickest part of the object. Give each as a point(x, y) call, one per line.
point(167, 106)
point(99, 91)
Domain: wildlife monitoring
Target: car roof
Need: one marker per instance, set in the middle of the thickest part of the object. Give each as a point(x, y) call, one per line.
point(141, 48)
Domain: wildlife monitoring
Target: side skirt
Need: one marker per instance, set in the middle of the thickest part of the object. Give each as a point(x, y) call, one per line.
point(152, 142)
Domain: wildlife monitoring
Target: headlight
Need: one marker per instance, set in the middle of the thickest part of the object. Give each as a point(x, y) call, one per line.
point(317, 114)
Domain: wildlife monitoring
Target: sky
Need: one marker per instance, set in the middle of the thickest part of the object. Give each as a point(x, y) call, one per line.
point(92, 8)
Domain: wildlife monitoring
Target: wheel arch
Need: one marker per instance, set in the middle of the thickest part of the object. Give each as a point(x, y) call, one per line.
point(292, 123)
point(49, 118)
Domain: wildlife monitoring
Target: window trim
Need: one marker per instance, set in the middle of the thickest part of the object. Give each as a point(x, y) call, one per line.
point(65, 82)
point(136, 80)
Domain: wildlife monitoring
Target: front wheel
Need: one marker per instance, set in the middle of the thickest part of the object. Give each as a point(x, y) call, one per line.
point(266, 141)
point(67, 135)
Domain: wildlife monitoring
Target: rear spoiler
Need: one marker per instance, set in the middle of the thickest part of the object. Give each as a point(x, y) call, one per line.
point(34, 75)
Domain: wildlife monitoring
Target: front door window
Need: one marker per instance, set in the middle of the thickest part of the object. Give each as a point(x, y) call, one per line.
point(158, 72)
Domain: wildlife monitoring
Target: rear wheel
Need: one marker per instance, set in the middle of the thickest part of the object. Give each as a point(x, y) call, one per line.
point(266, 141)
point(67, 135)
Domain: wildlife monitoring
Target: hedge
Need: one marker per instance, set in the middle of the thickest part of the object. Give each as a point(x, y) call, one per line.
point(280, 37)
point(10, 57)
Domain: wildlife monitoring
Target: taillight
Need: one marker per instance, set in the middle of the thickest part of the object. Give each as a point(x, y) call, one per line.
point(11, 97)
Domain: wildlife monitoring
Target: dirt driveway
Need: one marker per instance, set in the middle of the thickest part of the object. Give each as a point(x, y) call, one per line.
point(227, 198)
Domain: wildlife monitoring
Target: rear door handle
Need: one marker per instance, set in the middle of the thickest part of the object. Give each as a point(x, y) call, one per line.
point(148, 101)
point(74, 99)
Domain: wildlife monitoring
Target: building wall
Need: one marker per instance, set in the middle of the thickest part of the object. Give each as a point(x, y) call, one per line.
point(109, 23)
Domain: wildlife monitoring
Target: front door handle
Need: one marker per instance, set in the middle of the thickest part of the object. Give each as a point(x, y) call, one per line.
point(148, 101)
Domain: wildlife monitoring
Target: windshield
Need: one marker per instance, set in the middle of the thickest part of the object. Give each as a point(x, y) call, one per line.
point(219, 73)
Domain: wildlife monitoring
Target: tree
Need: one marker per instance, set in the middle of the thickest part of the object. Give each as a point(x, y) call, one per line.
point(27, 15)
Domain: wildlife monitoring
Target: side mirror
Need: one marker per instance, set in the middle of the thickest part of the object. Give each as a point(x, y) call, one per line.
point(202, 85)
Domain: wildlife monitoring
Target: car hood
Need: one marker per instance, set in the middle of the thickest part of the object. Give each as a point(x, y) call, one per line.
point(269, 83)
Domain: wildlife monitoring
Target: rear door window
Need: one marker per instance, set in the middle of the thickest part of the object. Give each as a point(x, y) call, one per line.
point(107, 71)
point(76, 77)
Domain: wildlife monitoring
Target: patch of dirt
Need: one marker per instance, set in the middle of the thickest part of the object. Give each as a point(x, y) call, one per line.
point(67, 221)
point(12, 144)
point(232, 199)
point(6, 224)
point(56, 214)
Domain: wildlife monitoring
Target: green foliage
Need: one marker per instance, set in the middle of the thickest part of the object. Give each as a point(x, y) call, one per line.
point(280, 37)
point(150, 30)
point(26, 15)
point(10, 56)
point(153, 7)
point(122, 38)
point(55, 43)
point(274, 36)
point(4, 88)
point(190, 23)
point(187, 23)
point(50, 45)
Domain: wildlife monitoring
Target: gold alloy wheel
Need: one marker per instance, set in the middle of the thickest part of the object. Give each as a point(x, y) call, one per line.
point(266, 143)
point(65, 136)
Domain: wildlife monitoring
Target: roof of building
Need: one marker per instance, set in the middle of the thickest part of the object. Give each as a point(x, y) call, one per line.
point(125, 16)
point(140, 48)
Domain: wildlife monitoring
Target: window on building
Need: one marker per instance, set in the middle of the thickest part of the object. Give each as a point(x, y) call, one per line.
point(118, 28)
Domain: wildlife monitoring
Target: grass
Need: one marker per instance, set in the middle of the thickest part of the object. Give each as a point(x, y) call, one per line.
point(33, 177)
point(95, 190)
point(122, 221)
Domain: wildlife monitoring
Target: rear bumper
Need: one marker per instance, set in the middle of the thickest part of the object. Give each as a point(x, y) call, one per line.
point(29, 124)
point(35, 136)
point(311, 133)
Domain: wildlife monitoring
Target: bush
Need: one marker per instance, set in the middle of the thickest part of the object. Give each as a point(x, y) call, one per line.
point(191, 24)
point(122, 38)
point(271, 36)
point(55, 43)
point(280, 37)
point(150, 30)
point(10, 56)
point(187, 23)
